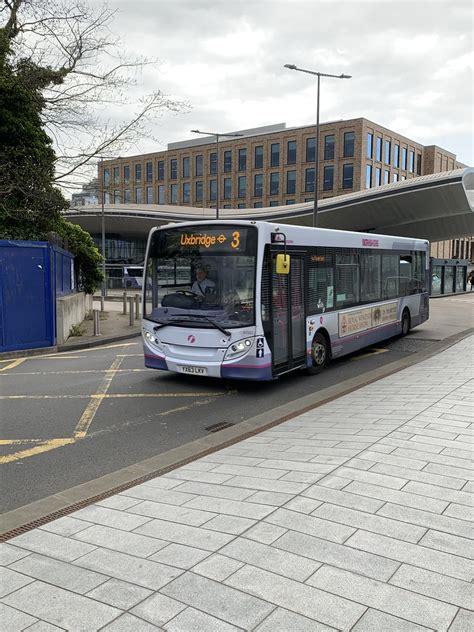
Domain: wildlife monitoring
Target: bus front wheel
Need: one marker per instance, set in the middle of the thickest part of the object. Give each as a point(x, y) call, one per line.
point(406, 322)
point(319, 354)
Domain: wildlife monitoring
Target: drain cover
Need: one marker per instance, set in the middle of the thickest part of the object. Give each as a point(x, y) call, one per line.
point(220, 426)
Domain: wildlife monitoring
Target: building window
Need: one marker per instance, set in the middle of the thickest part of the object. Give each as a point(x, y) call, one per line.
point(198, 165)
point(388, 148)
point(242, 159)
point(386, 176)
point(291, 152)
point(213, 164)
point(174, 194)
point(347, 176)
point(403, 177)
point(199, 191)
point(275, 155)
point(370, 145)
point(418, 164)
point(161, 194)
point(149, 171)
point(106, 177)
point(149, 195)
point(412, 161)
point(329, 142)
point(186, 167)
point(258, 157)
point(227, 161)
point(126, 174)
point(309, 179)
point(116, 175)
point(138, 195)
point(368, 176)
point(258, 185)
point(396, 156)
point(395, 177)
point(213, 184)
point(289, 202)
point(257, 205)
point(240, 205)
point(186, 192)
point(138, 173)
point(349, 144)
point(310, 149)
point(378, 149)
point(227, 188)
point(404, 158)
point(173, 168)
point(328, 178)
point(291, 182)
point(242, 186)
point(226, 206)
point(274, 183)
point(127, 197)
point(273, 202)
point(378, 176)
point(116, 197)
point(161, 169)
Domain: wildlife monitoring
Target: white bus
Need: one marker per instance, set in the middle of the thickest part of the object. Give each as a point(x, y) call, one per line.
point(276, 297)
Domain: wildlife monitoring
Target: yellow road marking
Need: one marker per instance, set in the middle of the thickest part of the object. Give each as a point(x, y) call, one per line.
point(16, 441)
point(370, 353)
point(78, 371)
point(95, 401)
point(13, 364)
point(60, 356)
point(44, 447)
point(98, 395)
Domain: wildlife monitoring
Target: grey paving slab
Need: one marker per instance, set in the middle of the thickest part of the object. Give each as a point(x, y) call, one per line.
point(325, 552)
point(392, 482)
point(285, 487)
point(302, 504)
point(276, 499)
point(302, 477)
point(334, 482)
point(430, 559)
point(217, 567)
point(215, 491)
point(56, 546)
point(59, 573)
point(118, 540)
point(427, 519)
point(119, 502)
point(183, 515)
point(10, 553)
point(299, 598)
point(219, 600)
point(184, 534)
point(42, 626)
point(162, 482)
point(180, 556)
point(191, 620)
point(442, 459)
point(61, 607)
point(167, 496)
point(232, 508)
point(460, 511)
point(229, 524)
point(254, 472)
point(422, 477)
point(464, 622)
point(127, 623)
point(65, 526)
point(13, 619)
point(284, 620)
point(135, 570)
point(226, 459)
point(441, 587)
point(448, 470)
point(344, 498)
point(310, 525)
point(10, 580)
point(158, 609)
point(119, 594)
point(450, 543)
point(271, 559)
point(265, 532)
point(376, 621)
point(387, 598)
point(110, 517)
point(433, 491)
point(395, 496)
point(184, 474)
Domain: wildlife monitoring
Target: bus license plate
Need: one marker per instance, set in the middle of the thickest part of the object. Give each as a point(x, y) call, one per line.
point(195, 370)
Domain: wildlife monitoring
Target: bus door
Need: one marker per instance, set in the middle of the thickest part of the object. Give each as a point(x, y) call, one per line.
point(288, 316)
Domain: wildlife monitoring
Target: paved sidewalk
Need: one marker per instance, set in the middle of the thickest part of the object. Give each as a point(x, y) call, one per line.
point(354, 516)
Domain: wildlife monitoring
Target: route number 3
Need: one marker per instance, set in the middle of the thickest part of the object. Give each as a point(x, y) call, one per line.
point(235, 243)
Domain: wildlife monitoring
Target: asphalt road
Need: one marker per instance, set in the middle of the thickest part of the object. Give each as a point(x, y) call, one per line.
point(69, 418)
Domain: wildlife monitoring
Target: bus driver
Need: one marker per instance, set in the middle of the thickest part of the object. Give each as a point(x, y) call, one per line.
point(202, 285)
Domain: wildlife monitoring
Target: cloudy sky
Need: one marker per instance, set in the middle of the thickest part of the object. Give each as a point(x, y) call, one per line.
point(411, 63)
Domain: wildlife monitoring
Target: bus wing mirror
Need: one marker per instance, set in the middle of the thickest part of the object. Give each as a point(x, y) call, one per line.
point(283, 264)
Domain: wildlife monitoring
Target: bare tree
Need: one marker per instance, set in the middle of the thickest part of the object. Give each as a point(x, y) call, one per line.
point(65, 51)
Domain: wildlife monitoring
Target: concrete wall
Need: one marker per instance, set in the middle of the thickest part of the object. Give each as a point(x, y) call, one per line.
point(70, 310)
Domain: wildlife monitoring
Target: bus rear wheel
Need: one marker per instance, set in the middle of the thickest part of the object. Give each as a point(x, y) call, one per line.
point(406, 322)
point(319, 354)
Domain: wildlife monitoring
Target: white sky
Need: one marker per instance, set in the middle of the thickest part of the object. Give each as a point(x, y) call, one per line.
point(411, 62)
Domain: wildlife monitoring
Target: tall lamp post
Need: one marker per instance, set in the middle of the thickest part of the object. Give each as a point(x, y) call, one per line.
point(316, 158)
point(217, 135)
point(102, 193)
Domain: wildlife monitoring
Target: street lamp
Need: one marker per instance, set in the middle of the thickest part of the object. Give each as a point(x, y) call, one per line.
point(316, 159)
point(217, 135)
point(102, 194)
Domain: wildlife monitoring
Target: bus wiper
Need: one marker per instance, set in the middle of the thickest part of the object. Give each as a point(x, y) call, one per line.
point(190, 319)
point(216, 325)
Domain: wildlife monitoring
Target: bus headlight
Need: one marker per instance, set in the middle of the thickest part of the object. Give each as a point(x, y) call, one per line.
point(238, 349)
point(150, 337)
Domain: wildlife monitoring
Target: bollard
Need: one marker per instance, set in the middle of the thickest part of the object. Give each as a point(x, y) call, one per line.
point(137, 306)
point(124, 304)
point(96, 322)
point(130, 310)
point(102, 304)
